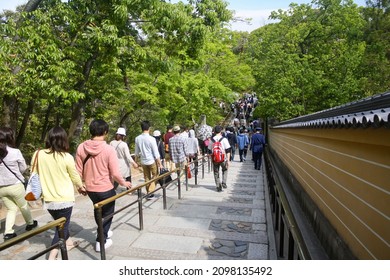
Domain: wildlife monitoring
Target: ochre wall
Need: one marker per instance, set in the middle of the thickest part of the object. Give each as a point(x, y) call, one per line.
point(346, 172)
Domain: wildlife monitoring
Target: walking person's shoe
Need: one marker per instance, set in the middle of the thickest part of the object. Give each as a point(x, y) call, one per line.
point(110, 233)
point(219, 188)
point(224, 185)
point(30, 227)
point(150, 196)
point(9, 236)
point(106, 245)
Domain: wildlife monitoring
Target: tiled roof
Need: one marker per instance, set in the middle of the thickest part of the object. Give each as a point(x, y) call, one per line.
point(369, 112)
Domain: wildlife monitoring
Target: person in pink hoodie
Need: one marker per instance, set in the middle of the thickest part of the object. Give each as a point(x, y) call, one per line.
point(98, 165)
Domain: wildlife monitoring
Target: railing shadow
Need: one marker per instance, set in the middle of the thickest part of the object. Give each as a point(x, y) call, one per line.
point(194, 166)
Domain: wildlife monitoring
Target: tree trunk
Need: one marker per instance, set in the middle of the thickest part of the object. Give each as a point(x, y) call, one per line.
point(7, 109)
point(32, 5)
point(26, 117)
point(78, 112)
point(10, 103)
point(46, 121)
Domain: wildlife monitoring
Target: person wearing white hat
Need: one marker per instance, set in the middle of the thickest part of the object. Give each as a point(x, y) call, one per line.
point(121, 131)
point(160, 145)
point(123, 154)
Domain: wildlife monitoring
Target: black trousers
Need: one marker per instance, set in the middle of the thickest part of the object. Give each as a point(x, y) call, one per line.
point(107, 210)
point(257, 159)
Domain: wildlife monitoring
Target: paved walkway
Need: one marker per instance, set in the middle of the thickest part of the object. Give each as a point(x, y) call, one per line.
point(203, 225)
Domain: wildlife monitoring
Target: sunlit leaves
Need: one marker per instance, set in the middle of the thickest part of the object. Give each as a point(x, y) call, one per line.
point(308, 61)
point(118, 59)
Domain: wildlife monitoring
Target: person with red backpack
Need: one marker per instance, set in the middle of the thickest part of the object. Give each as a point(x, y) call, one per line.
point(219, 149)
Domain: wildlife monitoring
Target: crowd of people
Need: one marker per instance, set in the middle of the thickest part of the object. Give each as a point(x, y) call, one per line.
point(99, 168)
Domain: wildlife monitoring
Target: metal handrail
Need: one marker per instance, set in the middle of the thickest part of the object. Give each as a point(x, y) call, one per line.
point(98, 206)
point(61, 244)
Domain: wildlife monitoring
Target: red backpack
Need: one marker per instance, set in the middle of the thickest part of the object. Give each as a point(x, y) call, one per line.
point(218, 153)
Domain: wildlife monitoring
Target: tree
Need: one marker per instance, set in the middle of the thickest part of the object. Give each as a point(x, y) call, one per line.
point(117, 60)
point(308, 61)
point(376, 62)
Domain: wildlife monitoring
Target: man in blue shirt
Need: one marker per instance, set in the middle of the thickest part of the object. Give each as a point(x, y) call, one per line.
point(146, 149)
point(242, 142)
point(257, 146)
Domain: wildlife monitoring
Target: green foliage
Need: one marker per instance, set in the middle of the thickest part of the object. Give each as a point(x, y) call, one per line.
point(123, 61)
point(376, 61)
point(66, 63)
point(310, 59)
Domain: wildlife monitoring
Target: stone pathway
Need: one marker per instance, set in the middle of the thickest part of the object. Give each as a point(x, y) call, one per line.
point(203, 225)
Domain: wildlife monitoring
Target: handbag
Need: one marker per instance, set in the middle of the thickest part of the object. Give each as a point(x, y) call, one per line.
point(34, 188)
point(165, 180)
point(192, 155)
point(189, 175)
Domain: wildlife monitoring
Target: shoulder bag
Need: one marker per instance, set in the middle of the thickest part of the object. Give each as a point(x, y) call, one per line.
point(34, 188)
point(24, 182)
point(165, 179)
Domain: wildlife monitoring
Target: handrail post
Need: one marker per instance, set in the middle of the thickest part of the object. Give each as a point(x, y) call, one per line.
point(196, 164)
point(62, 242)
point(101, 233)
point(140, 211)
point(178, 184)
point(203, 164)
point(63, 250)
point(164, 189)
point(186, 167)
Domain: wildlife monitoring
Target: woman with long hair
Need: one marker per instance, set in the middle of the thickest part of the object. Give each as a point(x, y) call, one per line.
point(58, 176)
point(12, 192)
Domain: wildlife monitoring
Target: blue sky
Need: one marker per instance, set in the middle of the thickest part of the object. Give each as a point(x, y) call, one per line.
point(260, 10)
point(257, 10)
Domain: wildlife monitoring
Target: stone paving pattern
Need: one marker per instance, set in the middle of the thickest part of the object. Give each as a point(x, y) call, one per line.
point(203, 224)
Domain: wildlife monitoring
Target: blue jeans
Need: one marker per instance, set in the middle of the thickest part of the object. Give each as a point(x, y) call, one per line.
point(56, 214)
point(232, 153)
point(107, 210)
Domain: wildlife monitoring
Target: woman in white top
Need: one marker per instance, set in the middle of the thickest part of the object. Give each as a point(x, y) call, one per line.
point(12, 192)
point(123, 154)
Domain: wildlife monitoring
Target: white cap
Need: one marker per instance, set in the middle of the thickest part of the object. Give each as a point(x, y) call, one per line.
point(156, 133)
point(121, 131)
